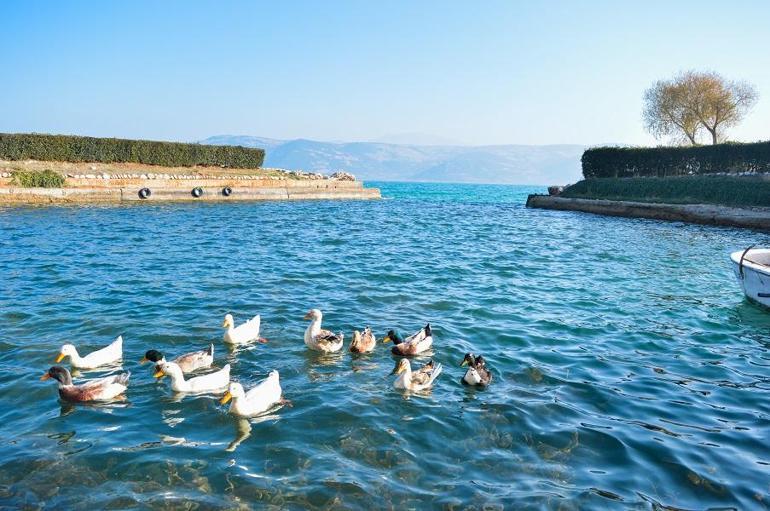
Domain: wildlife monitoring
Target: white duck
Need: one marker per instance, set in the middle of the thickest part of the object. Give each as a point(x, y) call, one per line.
point(247, 332)
point(212, 382)
point(318, 339)
point(105, 356)
point(422, 379)
point(257, 400)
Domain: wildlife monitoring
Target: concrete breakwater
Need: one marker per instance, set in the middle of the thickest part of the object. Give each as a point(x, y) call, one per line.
point(165, 187)
point(707, 214)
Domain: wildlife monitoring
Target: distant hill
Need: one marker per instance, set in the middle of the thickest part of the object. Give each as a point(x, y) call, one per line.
point(512, 164)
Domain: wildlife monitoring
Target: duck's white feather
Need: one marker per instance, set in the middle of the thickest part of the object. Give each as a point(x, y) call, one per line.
point(212, 382)
point(246, 332)
point(108, 355)
point(258, 399)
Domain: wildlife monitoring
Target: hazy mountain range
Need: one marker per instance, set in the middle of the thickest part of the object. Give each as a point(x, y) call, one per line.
point(514, 164)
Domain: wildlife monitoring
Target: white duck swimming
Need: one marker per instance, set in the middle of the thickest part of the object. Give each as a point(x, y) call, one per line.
point(212, 382)
point(318, 339)
point(257, 400)
point(105, 356)
point(247, 332)
point(99, 389)
point(421, 379)
point(188, 362)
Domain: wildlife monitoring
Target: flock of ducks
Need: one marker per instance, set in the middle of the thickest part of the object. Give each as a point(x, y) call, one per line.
point(268, 393)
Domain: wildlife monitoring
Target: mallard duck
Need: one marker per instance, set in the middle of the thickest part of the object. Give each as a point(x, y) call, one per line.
point(99, 389)
point(257, 400)
point(416, 343)
point(247, 332)
point(318, 339)
point(421, 379)
point(477, 373)
point(212, 382)
point(105, 356)
point(188, 362)
point(363, 343)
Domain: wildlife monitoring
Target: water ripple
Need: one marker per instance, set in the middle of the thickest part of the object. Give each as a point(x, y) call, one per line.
point(628, 370)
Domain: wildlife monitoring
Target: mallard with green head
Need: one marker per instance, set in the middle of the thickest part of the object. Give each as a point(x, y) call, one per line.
point(415, 344)
point(477, 373)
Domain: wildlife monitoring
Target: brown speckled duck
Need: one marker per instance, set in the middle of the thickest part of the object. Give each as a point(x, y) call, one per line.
point(99, 389)
point(363, 343)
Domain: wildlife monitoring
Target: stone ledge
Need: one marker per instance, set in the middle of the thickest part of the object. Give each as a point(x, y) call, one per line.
point(707, 214)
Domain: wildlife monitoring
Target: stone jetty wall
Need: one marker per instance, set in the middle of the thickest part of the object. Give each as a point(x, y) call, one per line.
point(125, 187)
point(753, 218)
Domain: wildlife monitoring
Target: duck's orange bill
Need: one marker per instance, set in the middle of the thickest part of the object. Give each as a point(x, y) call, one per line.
point(60, 357)
point(45, 376)
point(227, 397)
point(159, 374)
point(144, 359)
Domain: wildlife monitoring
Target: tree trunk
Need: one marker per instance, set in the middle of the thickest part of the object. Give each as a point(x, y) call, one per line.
point(713, 136)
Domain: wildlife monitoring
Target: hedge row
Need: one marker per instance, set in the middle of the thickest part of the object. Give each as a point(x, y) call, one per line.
point(23, 146)
point(676, 161)
point(744, 191)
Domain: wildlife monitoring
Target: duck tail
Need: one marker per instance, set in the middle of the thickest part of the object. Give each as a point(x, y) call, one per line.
point(436, 371)
point(428, 331)
point(210, 351)
point(122, 378)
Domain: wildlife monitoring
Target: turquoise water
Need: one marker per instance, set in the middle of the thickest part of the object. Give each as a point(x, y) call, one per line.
point(629, 370)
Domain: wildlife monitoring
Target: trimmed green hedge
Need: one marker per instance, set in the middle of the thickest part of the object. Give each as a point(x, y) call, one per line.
point(23, 146)
point(675, 161)
point(725, 190)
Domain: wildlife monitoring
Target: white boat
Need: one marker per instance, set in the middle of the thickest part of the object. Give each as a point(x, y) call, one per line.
point(752, 268)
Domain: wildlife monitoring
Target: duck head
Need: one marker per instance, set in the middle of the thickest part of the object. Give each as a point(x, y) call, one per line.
point(152, 356)
point(67, 350)
point(468, 360)
point(313, 314)
point(168, 369)
point(394, 336)
point(59, 374)
point(401, 366)
point(228, 322)
point(235, 390)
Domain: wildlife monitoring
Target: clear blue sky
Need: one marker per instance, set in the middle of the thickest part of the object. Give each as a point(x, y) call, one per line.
point(487, 72)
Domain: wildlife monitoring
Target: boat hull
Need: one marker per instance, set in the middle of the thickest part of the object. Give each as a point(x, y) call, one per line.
point(753, 278)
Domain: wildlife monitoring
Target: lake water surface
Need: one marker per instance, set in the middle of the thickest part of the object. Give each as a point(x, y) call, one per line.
point(629, 370)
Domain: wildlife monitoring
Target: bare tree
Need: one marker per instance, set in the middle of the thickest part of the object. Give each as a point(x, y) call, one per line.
point(693, 101)
point(665, 113)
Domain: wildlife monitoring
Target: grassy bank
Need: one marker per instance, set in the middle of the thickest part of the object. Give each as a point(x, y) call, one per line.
point(724, 190)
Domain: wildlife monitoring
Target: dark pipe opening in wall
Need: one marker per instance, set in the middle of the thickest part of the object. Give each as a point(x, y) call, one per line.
point(226, 191)
point(197, 192)
point(144, 193)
